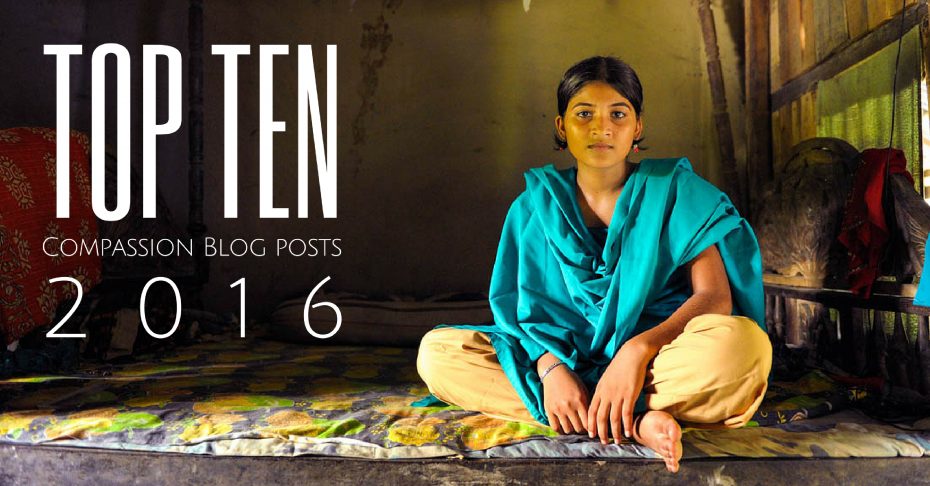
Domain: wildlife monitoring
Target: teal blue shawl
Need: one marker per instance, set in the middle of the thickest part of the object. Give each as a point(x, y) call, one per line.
point(554, 288)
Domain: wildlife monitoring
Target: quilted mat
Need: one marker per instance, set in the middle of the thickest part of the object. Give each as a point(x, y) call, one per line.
point(267, 398)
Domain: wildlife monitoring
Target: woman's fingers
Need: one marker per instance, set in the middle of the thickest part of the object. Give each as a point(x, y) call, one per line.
point(553, 422)
point(615, 412)
point(592, 415)
point(566, 424)
point(560, 421)
point(602, 413)
point(627, 418)
point(582, 413)
point(576, 424)
point(568, 419)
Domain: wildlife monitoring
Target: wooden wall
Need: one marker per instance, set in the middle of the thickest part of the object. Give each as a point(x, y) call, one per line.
point(803, 34)
point(812, 41)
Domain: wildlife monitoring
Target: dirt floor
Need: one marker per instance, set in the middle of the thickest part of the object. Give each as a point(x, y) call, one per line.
point(59, 465)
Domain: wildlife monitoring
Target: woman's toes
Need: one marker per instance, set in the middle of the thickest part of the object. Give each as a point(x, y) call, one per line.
point(660, 432)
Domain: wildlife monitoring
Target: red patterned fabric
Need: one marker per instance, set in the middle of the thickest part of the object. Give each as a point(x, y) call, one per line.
point(864, 231)
point(27, 217)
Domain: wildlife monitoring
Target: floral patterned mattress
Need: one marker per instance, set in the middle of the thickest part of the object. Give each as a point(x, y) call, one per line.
point(267, 398)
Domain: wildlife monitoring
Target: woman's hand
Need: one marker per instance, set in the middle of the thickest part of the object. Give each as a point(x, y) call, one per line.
point(566, 400)
point(617, 391)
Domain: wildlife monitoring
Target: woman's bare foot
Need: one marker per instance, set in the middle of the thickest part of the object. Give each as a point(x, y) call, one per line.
point(660, 432)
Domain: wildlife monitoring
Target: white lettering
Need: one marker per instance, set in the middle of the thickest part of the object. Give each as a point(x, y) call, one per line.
point(267, 127)
point(325, 155)
point(98, 131)
point(150, 127)
point(230, 55)
point(62, 55)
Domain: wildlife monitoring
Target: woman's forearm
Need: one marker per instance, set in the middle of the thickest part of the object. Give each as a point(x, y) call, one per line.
point(697, 304)
point(710, 295)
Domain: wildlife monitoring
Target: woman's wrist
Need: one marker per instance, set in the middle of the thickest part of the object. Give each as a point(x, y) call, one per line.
point(545, 361)
point(550, 369)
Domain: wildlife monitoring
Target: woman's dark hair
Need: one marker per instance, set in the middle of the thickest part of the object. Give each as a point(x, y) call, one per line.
point(610, 70)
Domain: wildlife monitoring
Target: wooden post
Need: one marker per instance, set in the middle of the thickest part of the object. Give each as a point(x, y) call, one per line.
point(901, 353)
point(823, 336)
point(811, 315)
point(778, 317)
point(770, 315)
point(923, 350)
point(758, 102)
point(846, 338)
point(860, 320)
point(878, 350)
point(792, 322)
point(833, 346)
point(721, 115)
point(857, 341)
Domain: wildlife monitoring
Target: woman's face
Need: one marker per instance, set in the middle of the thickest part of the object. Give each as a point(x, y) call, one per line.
point(599, 126)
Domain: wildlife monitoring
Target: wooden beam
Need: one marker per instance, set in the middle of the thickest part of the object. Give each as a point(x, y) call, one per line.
point(839, 299)
point(846, 56)
point(731, 179)
point(758, 106)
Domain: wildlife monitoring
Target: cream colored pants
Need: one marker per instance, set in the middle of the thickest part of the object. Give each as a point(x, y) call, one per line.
point(713, 375)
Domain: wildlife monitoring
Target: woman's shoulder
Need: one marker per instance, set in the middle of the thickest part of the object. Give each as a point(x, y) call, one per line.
point(534, 175)
point(522, 201)
point(541, 182)
point(666, 166)
point(676, 171)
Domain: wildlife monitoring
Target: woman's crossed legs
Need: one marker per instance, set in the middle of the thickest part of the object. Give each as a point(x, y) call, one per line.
point(713, 375)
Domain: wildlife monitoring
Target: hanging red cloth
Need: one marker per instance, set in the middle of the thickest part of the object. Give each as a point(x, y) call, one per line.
point(864, 231)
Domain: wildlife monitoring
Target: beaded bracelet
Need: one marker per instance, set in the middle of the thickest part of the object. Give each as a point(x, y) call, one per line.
point(549, 369)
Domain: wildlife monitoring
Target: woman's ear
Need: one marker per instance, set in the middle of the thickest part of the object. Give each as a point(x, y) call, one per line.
point(639, 129)
point(560, 127)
